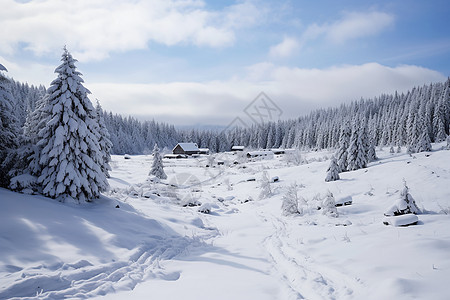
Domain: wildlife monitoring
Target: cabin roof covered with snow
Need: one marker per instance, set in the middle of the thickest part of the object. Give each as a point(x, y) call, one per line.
point(188, 146)
point(260, 153)
point(238, 148)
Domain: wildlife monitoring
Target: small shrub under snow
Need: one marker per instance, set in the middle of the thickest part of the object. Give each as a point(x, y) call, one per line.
point(329, 206)
point(404, 205)
point(205, 208)
point(291, 200)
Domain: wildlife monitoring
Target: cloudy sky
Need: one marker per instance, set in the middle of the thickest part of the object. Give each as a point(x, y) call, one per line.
point(194, 62)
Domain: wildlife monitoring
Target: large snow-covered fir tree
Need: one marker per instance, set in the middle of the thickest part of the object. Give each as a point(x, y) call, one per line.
point(71, 156)
point(157, 166)
point(8, 128)
point(104, 141)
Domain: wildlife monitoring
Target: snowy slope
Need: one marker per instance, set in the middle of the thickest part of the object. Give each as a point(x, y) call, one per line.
point(153, 247)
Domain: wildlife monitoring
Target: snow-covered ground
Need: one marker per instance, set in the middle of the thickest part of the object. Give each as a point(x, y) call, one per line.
point(151, 246)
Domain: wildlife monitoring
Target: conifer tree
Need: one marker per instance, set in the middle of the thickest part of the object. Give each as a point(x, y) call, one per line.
point(344, 140)
point(104, 141)
point(71, 156)
point(424, 142)
point(8, 128)
point(356, 157)
point(332, 171)
point(157, 166)
point(29, 151)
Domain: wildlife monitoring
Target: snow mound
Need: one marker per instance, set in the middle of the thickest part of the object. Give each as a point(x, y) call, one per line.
point(402, 220)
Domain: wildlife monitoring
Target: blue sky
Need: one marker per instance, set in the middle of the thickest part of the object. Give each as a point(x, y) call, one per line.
point(202, 62)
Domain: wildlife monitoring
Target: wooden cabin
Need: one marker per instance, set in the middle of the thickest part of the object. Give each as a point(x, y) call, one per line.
point(186, 149)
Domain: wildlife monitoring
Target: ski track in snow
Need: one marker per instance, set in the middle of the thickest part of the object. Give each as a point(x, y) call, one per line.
point(305, 277)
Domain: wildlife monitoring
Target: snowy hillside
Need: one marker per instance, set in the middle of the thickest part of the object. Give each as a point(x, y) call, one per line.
point(143, 240)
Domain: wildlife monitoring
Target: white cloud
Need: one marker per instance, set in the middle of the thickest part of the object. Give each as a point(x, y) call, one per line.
point(286, 48)
point(296, 91)
point(351, 26)
point(94, 28)
point(35, 73)
point(355, 25)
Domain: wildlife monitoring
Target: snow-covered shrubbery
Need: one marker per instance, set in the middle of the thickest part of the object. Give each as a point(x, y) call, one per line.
point(24, 183)
point(404, 205)
point(292, 202)
point(205, 208)
point(265, 185)
point(294, 157)
point(329, 206)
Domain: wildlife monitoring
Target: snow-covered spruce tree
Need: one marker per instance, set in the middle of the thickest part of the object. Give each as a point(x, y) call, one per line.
point(424, 142)
point(404, 205)
point(333, 170)
point(344, 141)
point(290, 204)
point(266, 189)
point(8, 129)
point(104, 141)
point(157, 166)
point(71, 157)
point(329, 206)
point(356, 156)
point(27, 167)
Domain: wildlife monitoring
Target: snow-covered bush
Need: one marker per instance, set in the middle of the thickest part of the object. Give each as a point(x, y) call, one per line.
point(329, 206)
point(266, 189)
point(332, 171)
point(205, 208)
point(404, 205)
point(291, 201)
point(24, 183)
point(228, 184)
point(294, 157)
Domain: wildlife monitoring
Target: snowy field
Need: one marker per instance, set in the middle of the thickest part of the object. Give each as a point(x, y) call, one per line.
point(140, 242)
